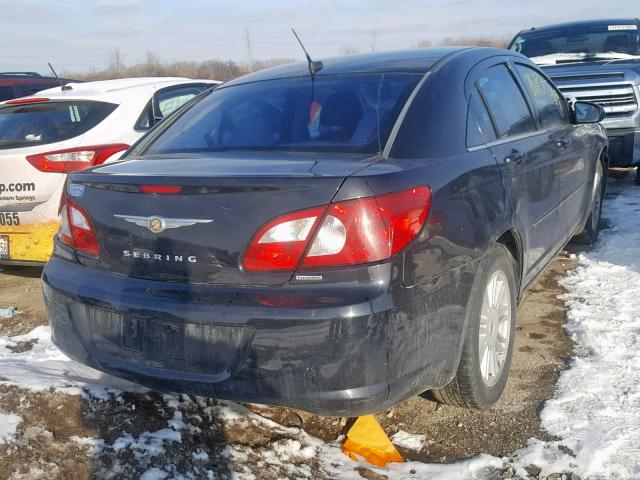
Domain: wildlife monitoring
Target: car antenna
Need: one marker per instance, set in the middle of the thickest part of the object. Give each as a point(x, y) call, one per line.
point(63, 87)
point(314, 67)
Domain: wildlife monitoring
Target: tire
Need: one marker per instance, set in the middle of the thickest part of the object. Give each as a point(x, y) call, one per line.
point(637, 178)
point(591, 231)
point(473, 386)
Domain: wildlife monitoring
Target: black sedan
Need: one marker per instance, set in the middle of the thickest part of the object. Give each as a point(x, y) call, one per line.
point(336, 238)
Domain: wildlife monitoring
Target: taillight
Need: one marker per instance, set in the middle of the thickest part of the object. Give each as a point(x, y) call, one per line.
point(352, 232)
point(73, 159)
point(76, 230)
point(280, 243)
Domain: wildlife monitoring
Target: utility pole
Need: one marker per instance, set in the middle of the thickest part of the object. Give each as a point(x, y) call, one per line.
point(247, 42)
point(374, 40)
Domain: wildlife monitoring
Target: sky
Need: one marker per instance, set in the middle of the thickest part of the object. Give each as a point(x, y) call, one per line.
point(78, 35)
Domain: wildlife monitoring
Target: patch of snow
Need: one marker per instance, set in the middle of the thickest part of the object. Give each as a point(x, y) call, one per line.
point(200, 455)
point(44, 366)
point(154, 474)
point(8, 425)
point(8, 312)
point(407, 440)
point(147, 443)
point(595, 411)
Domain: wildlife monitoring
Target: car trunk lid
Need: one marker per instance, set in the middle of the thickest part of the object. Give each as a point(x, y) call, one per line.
point(199, 234)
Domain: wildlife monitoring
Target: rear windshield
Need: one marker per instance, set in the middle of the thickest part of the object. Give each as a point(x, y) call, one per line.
point(341, 113)
point(579, 43)
point(33, 124)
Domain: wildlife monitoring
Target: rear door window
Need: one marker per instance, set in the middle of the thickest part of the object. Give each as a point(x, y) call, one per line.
point(6, 93)
point(31, 89)
point(479, 127)
point(27, 125)
point(505, 101)
point(168, 101)
point(551, 109)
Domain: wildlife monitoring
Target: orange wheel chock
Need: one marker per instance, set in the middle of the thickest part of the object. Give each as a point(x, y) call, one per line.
point(366, 439)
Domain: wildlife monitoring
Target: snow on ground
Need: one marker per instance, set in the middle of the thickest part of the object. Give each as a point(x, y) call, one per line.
point(7, 312)
point(40, 366)
point(407, 440)
point(596, 410)
point(595, 413)
point(8, 424)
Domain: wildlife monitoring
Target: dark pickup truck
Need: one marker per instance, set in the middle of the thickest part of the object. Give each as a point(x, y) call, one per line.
point(597, 61)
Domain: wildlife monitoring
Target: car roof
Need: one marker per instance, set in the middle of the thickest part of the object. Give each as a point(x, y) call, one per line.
point(29, 78)
point(415, 60)
point(584, 23)
point(117, 90)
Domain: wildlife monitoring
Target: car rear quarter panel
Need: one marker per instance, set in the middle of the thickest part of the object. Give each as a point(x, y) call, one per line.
point(468, 213)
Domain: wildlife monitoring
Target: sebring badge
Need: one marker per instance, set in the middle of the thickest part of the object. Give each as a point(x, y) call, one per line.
point(157, 224)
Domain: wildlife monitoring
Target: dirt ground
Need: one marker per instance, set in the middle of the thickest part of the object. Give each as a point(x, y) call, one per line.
point(51, 439)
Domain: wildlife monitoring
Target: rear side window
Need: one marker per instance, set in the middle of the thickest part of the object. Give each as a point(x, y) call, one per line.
point(27, 125)
point(6, 93)
point(479, 127)
point(337, 113)
point(506, 102)
point(167, 102)
point(30, 89)
point(550, 107)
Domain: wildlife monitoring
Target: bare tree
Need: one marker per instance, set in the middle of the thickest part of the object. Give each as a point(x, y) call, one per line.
point(475, 41)
point(348, 50)
point(152, 65)
point(424, 44)
point(115, 63)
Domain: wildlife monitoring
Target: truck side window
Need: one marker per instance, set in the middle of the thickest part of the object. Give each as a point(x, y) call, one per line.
point(506, 102)
point(479, 127)
point(551, 108)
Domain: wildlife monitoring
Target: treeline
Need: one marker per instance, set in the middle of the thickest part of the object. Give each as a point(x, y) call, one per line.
point(224, 70)
point(153, 66)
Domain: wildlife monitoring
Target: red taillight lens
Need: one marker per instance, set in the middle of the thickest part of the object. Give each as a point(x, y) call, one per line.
point(279, 245)
point(73, 159)
point(76, 230)
point(353, 232)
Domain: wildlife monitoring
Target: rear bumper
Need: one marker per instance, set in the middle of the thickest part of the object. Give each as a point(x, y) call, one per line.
point(624, 146)
point(343, 350)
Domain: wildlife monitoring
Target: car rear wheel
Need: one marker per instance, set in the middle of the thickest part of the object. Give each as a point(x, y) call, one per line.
point(591, 230)
point(488, 345)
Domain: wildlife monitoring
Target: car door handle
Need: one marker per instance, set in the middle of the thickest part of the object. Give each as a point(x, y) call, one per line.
point(563, 143)
point(515, 157)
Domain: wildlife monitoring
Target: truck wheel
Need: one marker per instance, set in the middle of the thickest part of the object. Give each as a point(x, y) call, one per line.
point(589, 235)
point(488, 344)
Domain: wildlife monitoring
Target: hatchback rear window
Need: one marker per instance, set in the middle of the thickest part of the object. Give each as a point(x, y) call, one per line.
point(27, 125)
point(353, 113)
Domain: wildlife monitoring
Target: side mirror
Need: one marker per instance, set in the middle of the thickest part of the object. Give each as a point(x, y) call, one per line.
point(587, 112)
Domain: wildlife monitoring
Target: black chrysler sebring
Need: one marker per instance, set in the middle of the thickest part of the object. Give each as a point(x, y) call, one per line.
point(334, 236)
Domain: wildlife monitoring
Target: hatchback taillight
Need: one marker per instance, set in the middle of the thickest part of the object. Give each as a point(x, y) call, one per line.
point(73, 159)
point(353, 232)
point(76, 229)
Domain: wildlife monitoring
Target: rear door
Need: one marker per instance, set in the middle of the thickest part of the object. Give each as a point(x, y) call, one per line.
point(527, 162)
point(571, 149)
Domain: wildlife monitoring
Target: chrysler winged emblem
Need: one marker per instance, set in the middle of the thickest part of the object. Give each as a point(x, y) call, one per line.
point(157, 224)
